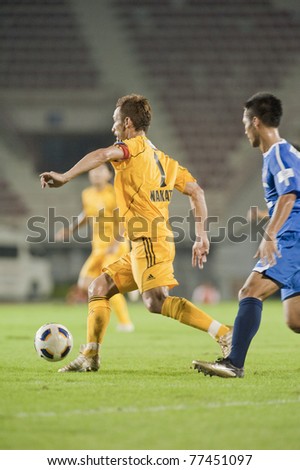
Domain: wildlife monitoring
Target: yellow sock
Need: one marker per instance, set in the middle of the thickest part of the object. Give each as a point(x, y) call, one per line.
point(119, 306)
point(98, 319)
point(184, 311)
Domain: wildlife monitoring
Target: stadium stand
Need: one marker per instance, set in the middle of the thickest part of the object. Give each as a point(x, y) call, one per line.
point(11, 203)
point(63, 64)
point(41, 47)
point(205, 60)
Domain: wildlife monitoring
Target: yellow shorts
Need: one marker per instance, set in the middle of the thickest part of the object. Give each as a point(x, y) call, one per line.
point(149, 264)
point(93, 266)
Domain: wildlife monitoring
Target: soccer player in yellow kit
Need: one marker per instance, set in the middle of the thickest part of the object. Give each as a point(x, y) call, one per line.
point(145, 178)
point(98, 206)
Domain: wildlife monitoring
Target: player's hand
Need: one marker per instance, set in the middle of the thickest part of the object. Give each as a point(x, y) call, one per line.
point(268, 251)
point(200, 251)
point(52, 179)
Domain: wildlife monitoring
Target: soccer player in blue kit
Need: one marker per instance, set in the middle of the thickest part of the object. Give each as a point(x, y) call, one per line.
point(279, 251)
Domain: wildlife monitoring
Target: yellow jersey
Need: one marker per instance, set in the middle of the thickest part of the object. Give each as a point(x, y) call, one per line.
point(99, 205)
point(144, 184)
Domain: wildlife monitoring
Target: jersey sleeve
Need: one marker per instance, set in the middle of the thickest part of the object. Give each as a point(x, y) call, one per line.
point(124, 148)
point(131, 147)
point(136, 146)
point(285, 168)
point(182, 178)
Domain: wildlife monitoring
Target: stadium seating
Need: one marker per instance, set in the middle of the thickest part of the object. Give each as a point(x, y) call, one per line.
point(196, 60)
point(206, 58)
point(11, 203)
point(202, 60)
point(41, 47)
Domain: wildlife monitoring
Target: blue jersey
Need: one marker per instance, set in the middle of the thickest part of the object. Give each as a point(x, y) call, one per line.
point(281, 175)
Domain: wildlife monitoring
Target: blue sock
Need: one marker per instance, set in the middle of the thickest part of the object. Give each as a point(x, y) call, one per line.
point(245, 327)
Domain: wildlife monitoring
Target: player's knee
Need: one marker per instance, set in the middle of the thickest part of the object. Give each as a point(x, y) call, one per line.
point(293, 324)
point(99, 287)
point(249, 290)
point(154, 298)
point(154, 303)
point(293, 327)
point(244, 292)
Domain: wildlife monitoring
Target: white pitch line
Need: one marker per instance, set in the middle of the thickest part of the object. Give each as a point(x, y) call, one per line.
point(151, 409)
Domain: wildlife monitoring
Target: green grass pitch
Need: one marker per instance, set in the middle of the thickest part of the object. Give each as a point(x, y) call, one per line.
point(146, 395)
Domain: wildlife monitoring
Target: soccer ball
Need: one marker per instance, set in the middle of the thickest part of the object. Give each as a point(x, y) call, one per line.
point(53, 342)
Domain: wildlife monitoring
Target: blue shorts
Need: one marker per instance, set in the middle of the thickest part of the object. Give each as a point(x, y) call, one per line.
point(286, 271)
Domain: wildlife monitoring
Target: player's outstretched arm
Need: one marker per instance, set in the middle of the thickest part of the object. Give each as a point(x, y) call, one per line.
point(89, 162)
point(200, 248)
